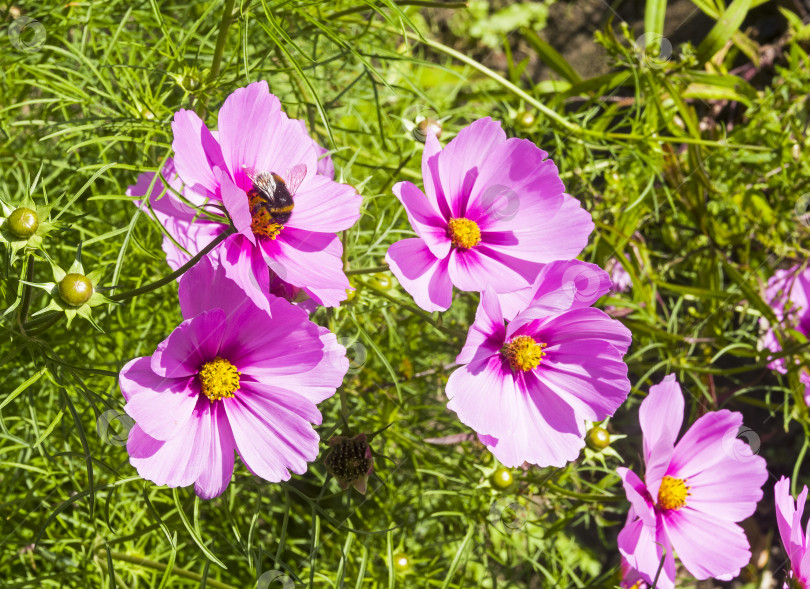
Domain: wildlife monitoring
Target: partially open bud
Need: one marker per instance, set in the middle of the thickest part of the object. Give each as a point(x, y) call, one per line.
point(598, 438)
point(75, 289)
point(350, 461)
point(23, 222)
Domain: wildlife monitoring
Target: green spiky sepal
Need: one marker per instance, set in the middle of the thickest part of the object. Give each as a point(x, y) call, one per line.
point(73, 292)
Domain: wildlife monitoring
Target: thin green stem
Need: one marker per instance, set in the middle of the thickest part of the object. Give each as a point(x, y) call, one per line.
point(573, 128)
point(418, 312)
point(582, 496)
point(219, 49)
point(372, 270)
point(159, 566)
point(177, 273)
point(26, 294)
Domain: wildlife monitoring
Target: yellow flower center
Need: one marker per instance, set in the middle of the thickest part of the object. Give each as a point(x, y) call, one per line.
point(673, 493)
point(262, 222)
point(463, 233)
point(219, 379)
point(524, 353)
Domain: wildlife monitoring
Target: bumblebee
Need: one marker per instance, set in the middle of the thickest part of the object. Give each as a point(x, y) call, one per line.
point(271, 193)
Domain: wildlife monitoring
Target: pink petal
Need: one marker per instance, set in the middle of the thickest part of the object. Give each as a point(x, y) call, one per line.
point(272, 432)
point(311, 261)
point(425, 219)
point(542, 429)
point(644, 546)
point(485, 396)
point(477, 268)
point(177, 462)
point(255, 134)
point(789, 520)
point(314, 383)
point(660, 417)
point(191, 344)
point(711, 439)
point(218, 469)
point(421, 274)
point(236, 203)
point(516, 181)
point(555, 232)
point(637, 495)
point(283, 346)
point(325, 206)
point(708, 547)
point(559, 286)
point(430, 176)
point(138, 377)
point(163, 411)
point(464, 158)
point(197, 153)
point(487, 333)
point(268, 349)
point(207, 287)
point(244, 264)
point(709, 485)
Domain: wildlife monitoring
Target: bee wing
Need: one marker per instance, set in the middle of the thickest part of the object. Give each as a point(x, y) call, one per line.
point(295, 176)
point(249, 172)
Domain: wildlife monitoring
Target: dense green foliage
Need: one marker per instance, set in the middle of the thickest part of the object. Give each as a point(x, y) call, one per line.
point(697, 179)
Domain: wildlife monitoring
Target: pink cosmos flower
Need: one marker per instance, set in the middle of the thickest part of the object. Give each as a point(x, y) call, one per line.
point(188, 232)
point(581, 283)
point(693, 492)
point(528, 387)
point(788, 294)
point(258, 146)
point(797, 541)
point(493, 212)
point(622, 282)
point(231, 377)
point(631, 578)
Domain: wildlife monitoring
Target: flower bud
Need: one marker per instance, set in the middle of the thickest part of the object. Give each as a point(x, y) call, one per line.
point(598, 438)
point(502, 478)
point(382, 281)
point(23, 222)
point(525, 119)
point(401, 562)
point(75, 289)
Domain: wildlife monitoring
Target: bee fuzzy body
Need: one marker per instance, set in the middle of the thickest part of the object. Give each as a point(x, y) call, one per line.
point(270, 192)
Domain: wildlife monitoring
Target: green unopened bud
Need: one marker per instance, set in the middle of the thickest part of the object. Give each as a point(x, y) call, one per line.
point(525, 119)
point(382, 281)
point(502, 477)
point(75, 289)
point(23, 222)
point(401, 562)
point(598, 438)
